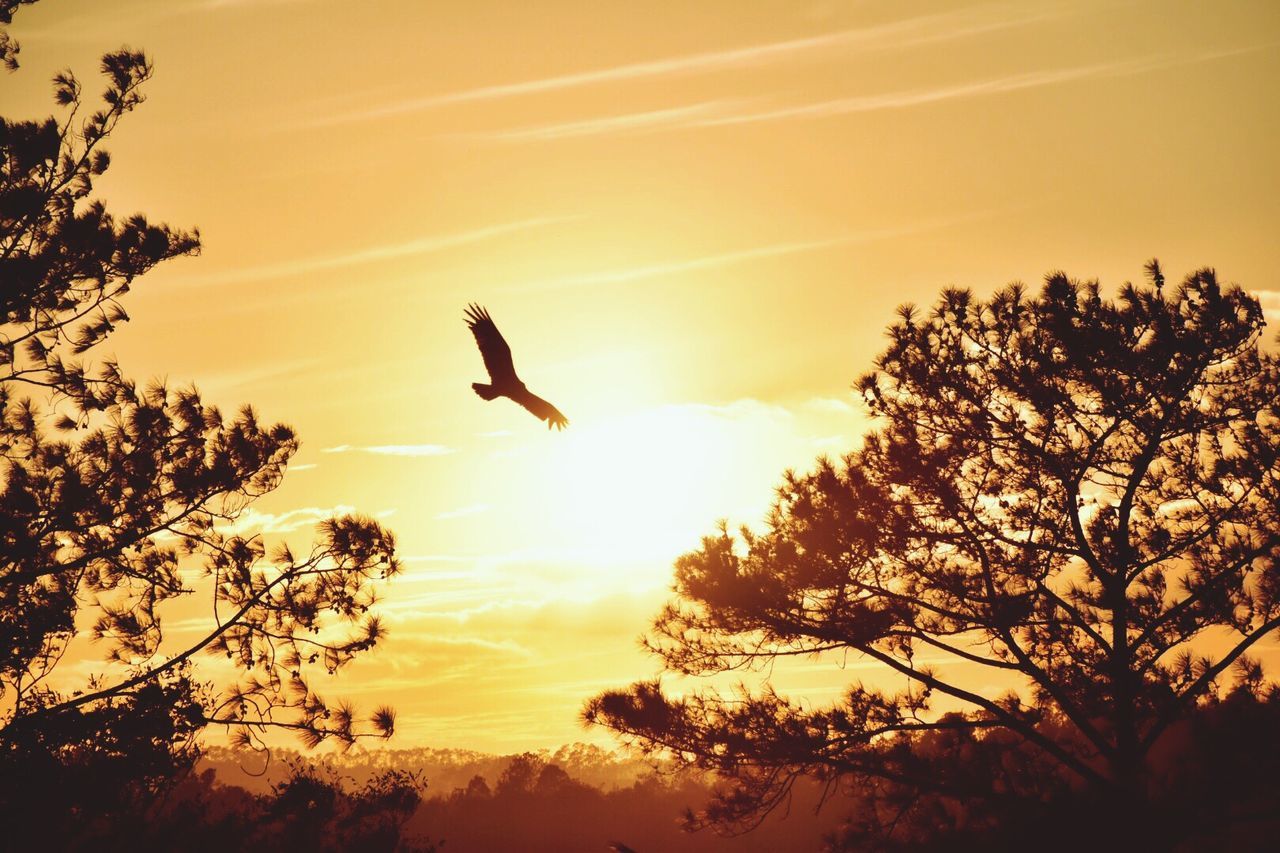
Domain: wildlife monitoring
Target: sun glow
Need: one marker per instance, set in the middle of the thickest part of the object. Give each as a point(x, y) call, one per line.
point(648, 484)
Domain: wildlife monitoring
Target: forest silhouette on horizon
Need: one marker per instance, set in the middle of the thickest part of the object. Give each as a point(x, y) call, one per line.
point(1061, 537)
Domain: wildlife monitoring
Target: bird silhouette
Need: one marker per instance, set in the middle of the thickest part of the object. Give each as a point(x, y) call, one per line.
point(502, 371)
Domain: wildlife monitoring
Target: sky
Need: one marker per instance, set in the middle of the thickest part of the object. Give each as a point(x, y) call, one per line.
point(691, 221)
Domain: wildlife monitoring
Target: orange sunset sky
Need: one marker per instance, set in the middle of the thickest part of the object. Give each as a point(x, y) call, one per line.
point(692, 222)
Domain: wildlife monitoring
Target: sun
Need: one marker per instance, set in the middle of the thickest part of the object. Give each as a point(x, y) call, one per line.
point(646, 485)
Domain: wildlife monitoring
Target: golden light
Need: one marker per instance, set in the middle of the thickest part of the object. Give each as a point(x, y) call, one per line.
point(648, 484)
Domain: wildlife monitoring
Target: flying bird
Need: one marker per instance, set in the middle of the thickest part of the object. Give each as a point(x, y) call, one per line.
point(502, 371)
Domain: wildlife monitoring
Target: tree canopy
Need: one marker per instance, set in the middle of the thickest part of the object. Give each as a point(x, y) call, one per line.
point(1073, 496)
point(9, 48)
point(116, 499)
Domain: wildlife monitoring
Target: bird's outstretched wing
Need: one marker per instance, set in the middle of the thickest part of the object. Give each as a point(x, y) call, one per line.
point(493, 347)
point(540, 407)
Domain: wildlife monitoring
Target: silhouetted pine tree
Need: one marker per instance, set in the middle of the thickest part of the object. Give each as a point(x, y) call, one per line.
point(1074, 496)
point(99, 511)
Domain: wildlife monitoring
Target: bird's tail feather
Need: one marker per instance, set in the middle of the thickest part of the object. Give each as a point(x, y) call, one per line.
point(487, 392)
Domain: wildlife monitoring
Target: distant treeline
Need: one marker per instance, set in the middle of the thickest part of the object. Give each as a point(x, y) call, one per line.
point(446, 769)
point(1214, 781)
point(576, 798)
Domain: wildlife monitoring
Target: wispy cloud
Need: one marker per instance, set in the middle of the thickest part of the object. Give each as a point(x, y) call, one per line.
point(504, 646)
point(425, 245)
point(625, 276)
point(924, 29)
point(993, 86)
point(1270, 301)
point(723, 259)
point(392, 449)
point(93, 22)
point(832, 405)
point(918, 97)
point(616, 124)
point(727, 112)
point(473, 509)
point(255, 374)
point(253, 522)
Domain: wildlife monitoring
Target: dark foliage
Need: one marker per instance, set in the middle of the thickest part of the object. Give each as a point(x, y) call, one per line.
point(313, 810)
point(88, 771)
point(309, 810)
point(1074, 496)
point(534, 804)
point(108, 490)
point(8, 47)
point(1213, 783)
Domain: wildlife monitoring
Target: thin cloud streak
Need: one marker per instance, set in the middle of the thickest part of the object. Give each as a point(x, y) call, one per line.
point(924, 29)
point(716, 113)
point(253, 522)
point(219, 382)
point(995, 86)
point(462, 512)
point(90, 26)
point(655, 270)
point(393, 449)
point(1270, 302)
point(426, 245)
point(829, 405)
point(628, 123)
point(626, 276)
point(917, 97)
